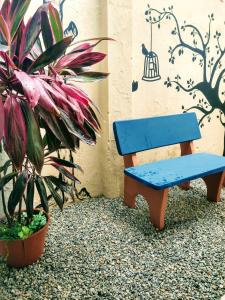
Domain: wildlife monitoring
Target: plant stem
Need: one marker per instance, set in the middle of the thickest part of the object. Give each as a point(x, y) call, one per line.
point(63, 194)
point(20, 208)
point(5, 209)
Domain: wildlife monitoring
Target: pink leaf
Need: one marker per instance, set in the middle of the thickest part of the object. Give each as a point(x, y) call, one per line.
point(7, 60)
point(4, 29)
point(15, 131)
point(75, 93)
point(65, 101)
point(29, 87)
point(82, 47)
point(67, 59)
point(86, 59)
point(45, 99)
point(60, 97)
point(2, 119)
point(5, 10)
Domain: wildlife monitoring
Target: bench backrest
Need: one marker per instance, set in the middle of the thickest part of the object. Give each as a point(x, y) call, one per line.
point(143, 134)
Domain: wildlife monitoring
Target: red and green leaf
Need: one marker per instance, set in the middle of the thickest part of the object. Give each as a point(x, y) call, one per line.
point(4, 29)
point(60, 184)
point(5, 9)
point(18, 14)
point(64, 171)
point(90, 76)
point(65, 163)
point(15, 132)
point(50, 55)
point(31, 34)
point(55, 23)
point(75, 93)
point(99, 40)
point(45, 99)
point(6, 179)
point(47, 33)
point(2, 119)
point(30, 89)
point(86, 60)
point(35, 149)
point(17, 192)
point(42, 193)
point(54, 194)
point(30, 198)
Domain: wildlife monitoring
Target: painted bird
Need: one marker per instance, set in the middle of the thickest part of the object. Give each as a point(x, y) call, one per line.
point(144, 50)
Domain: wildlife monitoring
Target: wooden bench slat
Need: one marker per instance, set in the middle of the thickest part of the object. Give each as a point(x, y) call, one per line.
point(167, 173)
point(143, 134)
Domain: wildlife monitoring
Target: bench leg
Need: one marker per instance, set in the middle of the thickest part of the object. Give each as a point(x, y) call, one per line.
point(185, 186)
point(157, 201)
point(214, 185)
point(130, 191)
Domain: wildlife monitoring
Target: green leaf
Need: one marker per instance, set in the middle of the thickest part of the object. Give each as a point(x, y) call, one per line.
point(59, 129)
point(60, 184)
point(89, 76)
point(30, 34)
point(50, 55)
point(4, 180)
point(50, 139)
point(18, 16)
point(54, 194)
point(65, 172)
point(75, 130)
point(17, 192)
point(5, 166)
point(42, 193)
point(46, 30)
point(30, 198)
point(35, 149)
point(55, 23)
point(65, 163)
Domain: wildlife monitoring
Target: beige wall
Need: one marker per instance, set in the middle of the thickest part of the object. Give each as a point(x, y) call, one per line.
point(155, 98)
point(124, 21)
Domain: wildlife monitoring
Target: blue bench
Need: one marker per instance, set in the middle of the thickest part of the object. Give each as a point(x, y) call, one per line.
point(153, 180)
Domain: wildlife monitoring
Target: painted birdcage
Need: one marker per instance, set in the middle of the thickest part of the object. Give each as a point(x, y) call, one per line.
point(151, 67)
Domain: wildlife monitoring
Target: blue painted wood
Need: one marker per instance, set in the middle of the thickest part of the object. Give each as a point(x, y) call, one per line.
point(144, 134)
point(167, 173)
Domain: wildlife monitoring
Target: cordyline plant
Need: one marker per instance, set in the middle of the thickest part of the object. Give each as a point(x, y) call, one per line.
point(41, 110)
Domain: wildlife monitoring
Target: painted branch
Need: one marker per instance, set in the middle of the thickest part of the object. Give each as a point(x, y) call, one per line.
point(183, 88)
point(198, 31)
point(215, 66)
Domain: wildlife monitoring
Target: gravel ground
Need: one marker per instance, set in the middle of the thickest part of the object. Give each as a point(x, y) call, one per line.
point(100, 249)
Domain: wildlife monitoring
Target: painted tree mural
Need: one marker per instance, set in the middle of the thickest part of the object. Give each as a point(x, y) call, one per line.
point(207, 50)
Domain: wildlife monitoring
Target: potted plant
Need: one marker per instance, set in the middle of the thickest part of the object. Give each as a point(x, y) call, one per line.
point(41, 111)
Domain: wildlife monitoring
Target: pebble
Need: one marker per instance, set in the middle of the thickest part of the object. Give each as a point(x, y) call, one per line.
point(100, 249)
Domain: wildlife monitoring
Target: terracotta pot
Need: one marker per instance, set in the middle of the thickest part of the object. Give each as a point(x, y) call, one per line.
point(21, 253)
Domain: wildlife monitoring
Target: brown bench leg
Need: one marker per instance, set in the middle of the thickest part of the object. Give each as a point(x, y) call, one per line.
point(157, 201)
point(214, 185)
point(185, 186)
point(130, 191)
point(186, 148)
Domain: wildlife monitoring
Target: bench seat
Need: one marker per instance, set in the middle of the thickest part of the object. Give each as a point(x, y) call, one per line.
point(167, 173)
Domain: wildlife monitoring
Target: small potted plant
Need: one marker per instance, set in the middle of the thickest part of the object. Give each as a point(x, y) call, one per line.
point(41, 111)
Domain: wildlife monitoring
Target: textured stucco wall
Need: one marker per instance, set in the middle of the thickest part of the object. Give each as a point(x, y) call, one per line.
point(152, 99)
point(124, 21)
